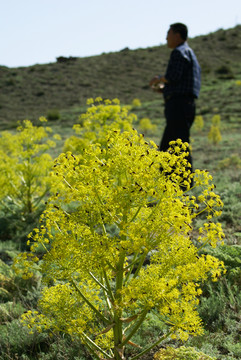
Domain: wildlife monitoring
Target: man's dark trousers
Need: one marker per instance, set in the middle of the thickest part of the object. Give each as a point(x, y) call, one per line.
point(179, 114)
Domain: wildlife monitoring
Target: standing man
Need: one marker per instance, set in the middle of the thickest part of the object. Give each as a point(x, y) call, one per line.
point(180, 86)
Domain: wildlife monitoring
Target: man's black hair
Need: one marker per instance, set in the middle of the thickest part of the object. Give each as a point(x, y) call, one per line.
point(181, 29)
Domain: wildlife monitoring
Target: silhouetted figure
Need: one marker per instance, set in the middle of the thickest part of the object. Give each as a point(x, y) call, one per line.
point(180, 87)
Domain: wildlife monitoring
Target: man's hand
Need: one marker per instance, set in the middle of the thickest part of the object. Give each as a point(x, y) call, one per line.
point(157, 83)
point(155, 80)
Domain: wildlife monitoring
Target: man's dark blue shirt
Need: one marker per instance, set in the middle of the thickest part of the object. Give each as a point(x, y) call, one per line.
point(183, 73)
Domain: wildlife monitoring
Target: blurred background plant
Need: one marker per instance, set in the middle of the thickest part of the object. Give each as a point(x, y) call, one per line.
point(147, 127)
point(24, 178)
point(198, 123)
point(100, 117)
point(214, 135)
point(53, 114)
point(136, 103)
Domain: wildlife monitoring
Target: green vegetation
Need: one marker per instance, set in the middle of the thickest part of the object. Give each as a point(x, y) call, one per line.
point(181, 353)
point(41, 90)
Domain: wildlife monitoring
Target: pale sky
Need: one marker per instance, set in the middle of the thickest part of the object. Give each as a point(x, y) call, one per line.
point(38, 31)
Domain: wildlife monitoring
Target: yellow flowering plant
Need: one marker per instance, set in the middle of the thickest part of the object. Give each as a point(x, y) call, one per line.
point(25, 168)
point(214, 134)
point(199, 123)
point(101, 116)
point(112, 209)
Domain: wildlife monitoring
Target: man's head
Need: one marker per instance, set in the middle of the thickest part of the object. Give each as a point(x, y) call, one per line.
point(176, 35)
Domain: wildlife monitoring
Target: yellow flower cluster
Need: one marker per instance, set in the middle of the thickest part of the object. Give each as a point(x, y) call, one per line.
point(100, 117)
point(25, 165)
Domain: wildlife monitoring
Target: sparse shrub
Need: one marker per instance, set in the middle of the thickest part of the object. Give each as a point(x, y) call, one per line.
point(234, 162)
point(223, 344)
point(10, 82)
point(212, 308)
point(13, 288)
point(206, 67)
point(220, 305)
point(10, 310)
point(233, 348)
point(205, 110)
point(232, 206)
point(221, 35)
point(53, 114)
point(182, 353)
point(17, 343)
point(15, 225)
point(39, 93)
point(231, 256)
point(224, 69)
point(225, 72)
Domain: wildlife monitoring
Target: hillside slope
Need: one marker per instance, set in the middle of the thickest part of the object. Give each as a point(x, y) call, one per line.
point(28, 92)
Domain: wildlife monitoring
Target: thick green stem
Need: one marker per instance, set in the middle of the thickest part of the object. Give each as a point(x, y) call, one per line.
point(92, 351)
point(109, 305)
point(202, 211)
point(130, 268)
point(204, 244)
point(28, 182)
point(98, 282)
point(135, 215)
point(118, 334)
point(40, 198)
point(91, 344)
point(109, 291)
point(135, 328)
point(140, 264)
